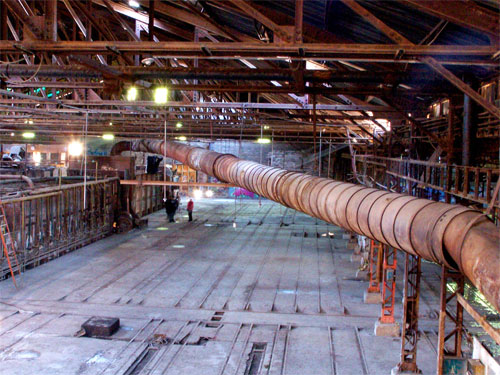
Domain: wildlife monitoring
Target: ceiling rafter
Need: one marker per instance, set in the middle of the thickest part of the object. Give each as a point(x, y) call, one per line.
point(433, 63)
point(131, 13)
point(462, 12)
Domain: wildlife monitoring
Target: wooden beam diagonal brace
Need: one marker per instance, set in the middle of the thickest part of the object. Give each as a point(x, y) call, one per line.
point(194, 18)
point(430, 61)
point(18, 10)
point(249, 10)
point(462, 86)
point(464, 13)
point(129, 12)
point(368, 16)
point(80, 25)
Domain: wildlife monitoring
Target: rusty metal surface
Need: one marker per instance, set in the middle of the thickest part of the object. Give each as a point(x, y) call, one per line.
point(435, 231)
point(404, 221)
point(18, 177)
point(389, 218)
point(352, 210)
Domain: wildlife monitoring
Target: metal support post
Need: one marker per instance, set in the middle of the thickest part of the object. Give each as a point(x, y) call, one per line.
point(452, 283)
point(388, 285)
point(373, 293)
point(411, 295)
point(386, 324)
point(376, 254)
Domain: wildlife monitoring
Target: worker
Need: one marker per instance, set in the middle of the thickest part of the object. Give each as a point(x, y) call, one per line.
point(171, 207)
point(190, 207)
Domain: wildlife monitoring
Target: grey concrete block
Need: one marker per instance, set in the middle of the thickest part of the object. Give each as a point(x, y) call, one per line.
point(389, 330)
point(372, 297)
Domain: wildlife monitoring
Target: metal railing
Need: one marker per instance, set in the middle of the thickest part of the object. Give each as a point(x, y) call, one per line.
point(53, 221)
point(474, 184)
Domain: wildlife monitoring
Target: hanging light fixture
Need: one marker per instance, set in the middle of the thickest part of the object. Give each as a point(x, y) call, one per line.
point(161, 95)
point(132, 94)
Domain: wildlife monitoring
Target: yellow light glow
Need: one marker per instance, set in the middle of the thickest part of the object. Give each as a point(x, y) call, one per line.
point(28, 135)
point(161, 95)
point(12, 134)
point(110, 124)
point(266, 127)
point(132, 94)
point(108, 136)
point(197, 194)
point(178, 125)
point(37, 157)
point(263, 140)
point(181, 138)
point(209, 193)
point(75, 148)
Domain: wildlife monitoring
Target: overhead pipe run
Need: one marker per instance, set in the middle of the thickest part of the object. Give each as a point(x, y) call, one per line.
point(86, 68)
point(455, 236)
point(18, 177)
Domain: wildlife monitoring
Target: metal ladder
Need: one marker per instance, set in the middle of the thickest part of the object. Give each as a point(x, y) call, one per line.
point(8, 245)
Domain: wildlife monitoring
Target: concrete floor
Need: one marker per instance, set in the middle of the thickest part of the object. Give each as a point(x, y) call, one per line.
point(208, 298)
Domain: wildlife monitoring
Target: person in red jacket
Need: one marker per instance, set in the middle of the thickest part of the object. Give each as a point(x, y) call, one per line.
point(190, 207)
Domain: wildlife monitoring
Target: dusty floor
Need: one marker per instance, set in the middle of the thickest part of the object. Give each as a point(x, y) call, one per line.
point(207, 298)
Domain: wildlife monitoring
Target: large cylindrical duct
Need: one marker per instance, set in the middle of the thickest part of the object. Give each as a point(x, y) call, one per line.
point(456, 236)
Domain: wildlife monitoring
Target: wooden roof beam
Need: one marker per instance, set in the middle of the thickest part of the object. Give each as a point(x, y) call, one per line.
point(279, 31)
point(368, 16)
point(197, 19)
point(464, 13)
point(81, 26)
point(317, 51)
point(131, 13)
point(27, 19)
point(430, 61)
point(462, 86)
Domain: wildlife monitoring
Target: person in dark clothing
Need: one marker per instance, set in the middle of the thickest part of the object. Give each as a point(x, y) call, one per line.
point(190, 207)
point(171, 207)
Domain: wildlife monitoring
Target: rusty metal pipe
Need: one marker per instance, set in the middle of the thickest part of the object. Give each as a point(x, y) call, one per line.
point(18, 177)
point(455, 236)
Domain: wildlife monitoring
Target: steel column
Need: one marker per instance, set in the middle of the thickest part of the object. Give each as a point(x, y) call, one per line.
point(375, 267)
point(452, 284)
point(388, 285)
point(411, 295)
